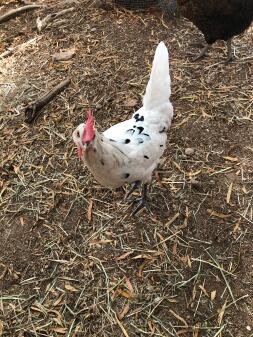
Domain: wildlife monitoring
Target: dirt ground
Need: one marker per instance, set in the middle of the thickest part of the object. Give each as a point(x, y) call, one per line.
point(72, 260)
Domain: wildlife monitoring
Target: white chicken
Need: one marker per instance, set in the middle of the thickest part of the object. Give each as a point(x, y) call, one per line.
point(128, 152)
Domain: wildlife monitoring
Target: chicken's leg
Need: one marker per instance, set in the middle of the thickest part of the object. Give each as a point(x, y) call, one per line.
point(202, 53)
point(134, 187)
point(230, 56)
point(143, 200)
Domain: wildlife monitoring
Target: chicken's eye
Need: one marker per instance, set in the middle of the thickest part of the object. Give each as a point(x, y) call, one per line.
point(78, 134)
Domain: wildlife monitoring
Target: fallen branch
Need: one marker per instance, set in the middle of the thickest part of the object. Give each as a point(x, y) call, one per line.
point(17, 11)
point(32, 111)
point(42, 23)
point(7, 53)
point(20, 47)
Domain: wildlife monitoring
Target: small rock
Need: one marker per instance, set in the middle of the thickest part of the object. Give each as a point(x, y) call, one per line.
point(248, 328)
point(93, 29)
point(195, 183)
point(189, 151)
point(98, 106)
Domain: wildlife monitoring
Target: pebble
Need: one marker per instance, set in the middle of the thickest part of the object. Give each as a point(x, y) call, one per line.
point(99, 106)
point(93, 29)
point(195, 183)
point(248, 328)
point(189, 151)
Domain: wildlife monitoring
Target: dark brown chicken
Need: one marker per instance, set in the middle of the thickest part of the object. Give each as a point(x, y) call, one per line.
point(218, 19)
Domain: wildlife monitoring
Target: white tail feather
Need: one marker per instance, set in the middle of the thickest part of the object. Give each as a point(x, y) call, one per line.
point(158, 89)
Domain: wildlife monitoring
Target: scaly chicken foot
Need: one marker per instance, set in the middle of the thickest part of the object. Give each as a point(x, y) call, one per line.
point(143, 200)
point(134, 187)
point(202, 53)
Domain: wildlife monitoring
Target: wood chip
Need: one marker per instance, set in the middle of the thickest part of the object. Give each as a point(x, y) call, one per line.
point(130, 287)
point(123, 293)
point(222, 312)
point(218, 215)
point(70, 288)
point(233, 159)
point(89, 211)
point(123, 256)
point(179, 317)
point(123, 312)
point(229, 193)
point(59, 330)
point(204, 290)
point(213, 295)
point(1, 328)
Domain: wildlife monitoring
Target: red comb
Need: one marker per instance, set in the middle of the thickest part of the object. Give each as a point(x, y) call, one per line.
point(89, 116)
point(89, 134)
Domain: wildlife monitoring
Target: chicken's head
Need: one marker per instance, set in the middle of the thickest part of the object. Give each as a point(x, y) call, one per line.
point(84, 134)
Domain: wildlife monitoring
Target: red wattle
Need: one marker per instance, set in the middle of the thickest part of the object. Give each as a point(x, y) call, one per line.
point(80, 152)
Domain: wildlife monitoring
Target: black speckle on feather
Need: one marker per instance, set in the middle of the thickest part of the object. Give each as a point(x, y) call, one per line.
point(139, 118)
point(127, 141)
point(140, 140)
point(146, 157)
point(145, 134)
point(126, 175)
point(112, 140)
point(102, 162)
point(131, 131)
point(140, 128)
point(163, 130)
point(161, 145)
point(94, 150)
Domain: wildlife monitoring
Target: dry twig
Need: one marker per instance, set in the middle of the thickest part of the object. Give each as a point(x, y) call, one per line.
point(41, 24)
point(18, 11)
point(33, 109)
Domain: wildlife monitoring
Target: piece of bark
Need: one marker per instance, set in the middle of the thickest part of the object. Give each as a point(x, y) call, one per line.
point(32, 111)
point(18, 11)
point(42, 23)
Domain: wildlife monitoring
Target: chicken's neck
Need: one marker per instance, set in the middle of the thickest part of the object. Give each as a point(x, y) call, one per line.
point(104, 156)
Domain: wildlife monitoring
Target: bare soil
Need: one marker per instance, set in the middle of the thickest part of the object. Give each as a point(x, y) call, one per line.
point(72, 260)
